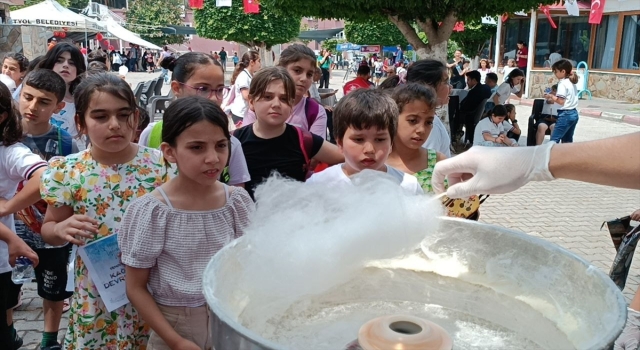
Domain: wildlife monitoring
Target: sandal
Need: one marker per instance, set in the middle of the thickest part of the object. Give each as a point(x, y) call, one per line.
point(67, 305)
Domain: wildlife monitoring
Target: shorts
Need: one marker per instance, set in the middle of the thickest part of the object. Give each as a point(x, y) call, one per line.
point(51, 273)
point(9, 292)
point(192, 323)
point(378, 75)
point(545, 121)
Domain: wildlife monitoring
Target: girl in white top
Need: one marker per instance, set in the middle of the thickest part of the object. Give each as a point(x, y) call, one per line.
point(66, 60)
point(241, 80)
point(197, 73)
point(17, 164)
point(511, 65)
point(512, 85)
point(491, 131)
point(485, 68)
point(168, 236)
point(567, 98)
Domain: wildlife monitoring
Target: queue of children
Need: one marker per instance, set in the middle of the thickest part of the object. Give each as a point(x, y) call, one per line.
point(197, 177)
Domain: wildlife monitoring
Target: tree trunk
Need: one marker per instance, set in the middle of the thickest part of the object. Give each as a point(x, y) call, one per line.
point(438, 35)
point(266, 56)
point(412, 37)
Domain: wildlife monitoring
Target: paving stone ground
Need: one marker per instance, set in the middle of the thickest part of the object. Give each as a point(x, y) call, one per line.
point(563, 212)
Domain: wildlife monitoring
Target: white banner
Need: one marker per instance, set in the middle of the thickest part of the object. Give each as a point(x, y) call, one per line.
point(572, 7)
point(223, 3)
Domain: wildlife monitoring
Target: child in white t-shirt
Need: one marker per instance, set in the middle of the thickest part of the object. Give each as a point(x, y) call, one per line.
point(491, 131)
point(365, 122)
point(567, 98)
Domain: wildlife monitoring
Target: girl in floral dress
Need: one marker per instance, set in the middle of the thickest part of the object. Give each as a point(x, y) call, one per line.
point(88, 193)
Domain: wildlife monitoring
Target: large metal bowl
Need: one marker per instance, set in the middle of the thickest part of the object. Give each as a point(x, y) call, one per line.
point(566, 290)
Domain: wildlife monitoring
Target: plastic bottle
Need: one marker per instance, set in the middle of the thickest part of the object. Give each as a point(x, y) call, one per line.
point(23, 271)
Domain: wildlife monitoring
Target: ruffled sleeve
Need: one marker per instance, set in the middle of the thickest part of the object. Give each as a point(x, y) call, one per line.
point(56, 186)
point(141, 235)
point(243, 208)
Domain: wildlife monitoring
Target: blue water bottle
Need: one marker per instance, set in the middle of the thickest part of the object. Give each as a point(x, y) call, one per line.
point(23, 271)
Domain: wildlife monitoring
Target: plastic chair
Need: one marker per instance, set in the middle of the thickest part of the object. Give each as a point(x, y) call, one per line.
point(470, 123)
point(137, 92)
point(147, 92)
point(156, 107)
point(536, 115)
point(158, 88)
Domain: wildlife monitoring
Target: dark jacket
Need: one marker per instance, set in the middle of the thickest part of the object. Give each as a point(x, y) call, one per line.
point(474, 97)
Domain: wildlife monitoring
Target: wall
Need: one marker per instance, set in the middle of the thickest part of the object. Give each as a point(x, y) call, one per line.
point(612, 86)
point(31, 41)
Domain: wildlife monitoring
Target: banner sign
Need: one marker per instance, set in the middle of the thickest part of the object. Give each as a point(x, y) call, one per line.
point(370, 48)
point(347, 47)
point(46, 22)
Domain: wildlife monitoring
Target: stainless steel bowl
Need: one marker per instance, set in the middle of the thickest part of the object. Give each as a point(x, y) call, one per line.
point(567, 291)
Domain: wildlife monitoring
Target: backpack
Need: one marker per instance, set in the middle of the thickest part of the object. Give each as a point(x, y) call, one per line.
point(311, 111)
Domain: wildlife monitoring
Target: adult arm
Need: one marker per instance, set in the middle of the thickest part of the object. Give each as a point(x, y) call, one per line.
point(612, 162)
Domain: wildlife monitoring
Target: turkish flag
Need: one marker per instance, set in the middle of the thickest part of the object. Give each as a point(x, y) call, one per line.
point(597, 7)
point(545, 10)
point(251, 6)
point(196, 4)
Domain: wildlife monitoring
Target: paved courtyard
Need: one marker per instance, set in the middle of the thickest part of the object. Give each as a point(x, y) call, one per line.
point(563, 212)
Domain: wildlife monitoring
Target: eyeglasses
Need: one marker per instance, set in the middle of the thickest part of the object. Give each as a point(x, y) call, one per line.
point(207, 92)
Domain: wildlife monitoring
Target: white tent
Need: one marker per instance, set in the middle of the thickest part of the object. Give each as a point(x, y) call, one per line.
point(49, 13)
point(116, 30)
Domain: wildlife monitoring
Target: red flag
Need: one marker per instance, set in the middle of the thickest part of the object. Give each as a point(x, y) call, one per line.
point(597, 7)
point(458, 27)
point(251, 6)
point(505, 17)
point(545, 10)
point(196, 4)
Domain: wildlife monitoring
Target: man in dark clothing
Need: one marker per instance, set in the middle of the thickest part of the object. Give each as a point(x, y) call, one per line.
point(477, 93)
point(223, 58)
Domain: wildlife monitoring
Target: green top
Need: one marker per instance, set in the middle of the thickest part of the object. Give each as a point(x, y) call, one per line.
point(424, 175)
point(326, 64)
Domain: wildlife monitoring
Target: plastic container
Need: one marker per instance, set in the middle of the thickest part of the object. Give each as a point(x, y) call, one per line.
point(23, 272)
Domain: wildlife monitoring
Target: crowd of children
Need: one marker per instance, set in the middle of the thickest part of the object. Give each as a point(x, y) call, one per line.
point(74, 174)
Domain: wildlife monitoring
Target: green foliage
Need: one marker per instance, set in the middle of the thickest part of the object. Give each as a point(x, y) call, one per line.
point(28, 3)
point(145, 17)
point(264, 29)
point(332, 44)
point(303, 28)
point(78, 4)
point(474, 37)
point(376, 31)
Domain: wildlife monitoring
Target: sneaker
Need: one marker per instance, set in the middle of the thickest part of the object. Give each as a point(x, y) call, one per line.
point(17, 342)
point(52, 347)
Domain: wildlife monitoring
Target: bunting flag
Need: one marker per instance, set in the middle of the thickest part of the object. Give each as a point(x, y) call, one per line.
point(196, 4)
point(223, 3)
point(597, 7)
point(251, 6)
point(505, 17)
point(458, 27)
point(572, 7)
point(545, 10)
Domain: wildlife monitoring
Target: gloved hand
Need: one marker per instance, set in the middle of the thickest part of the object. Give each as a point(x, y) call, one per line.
point(630, 337)
point(494, 170)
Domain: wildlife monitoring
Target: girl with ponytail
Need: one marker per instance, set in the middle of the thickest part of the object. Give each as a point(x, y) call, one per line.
point(241, 80)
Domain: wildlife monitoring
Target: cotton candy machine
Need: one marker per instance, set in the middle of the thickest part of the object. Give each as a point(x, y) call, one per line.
point(487, 286)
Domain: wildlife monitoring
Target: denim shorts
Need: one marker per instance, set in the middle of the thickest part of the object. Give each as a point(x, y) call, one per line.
point(565, 126)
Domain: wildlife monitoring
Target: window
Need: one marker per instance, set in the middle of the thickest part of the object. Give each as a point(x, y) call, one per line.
point(605, 46)
point(514, 31)
point(630, 44)
point(569, 40)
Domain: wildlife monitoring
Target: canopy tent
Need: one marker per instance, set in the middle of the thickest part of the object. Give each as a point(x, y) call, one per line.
point(119, 32)
point(49, 13)
point(319, 35)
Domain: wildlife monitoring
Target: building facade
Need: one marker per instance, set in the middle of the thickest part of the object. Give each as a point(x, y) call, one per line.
point(610, 50)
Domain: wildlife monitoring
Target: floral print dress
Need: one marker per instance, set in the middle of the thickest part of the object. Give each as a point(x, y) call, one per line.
point(103, 193)
point(424, 176)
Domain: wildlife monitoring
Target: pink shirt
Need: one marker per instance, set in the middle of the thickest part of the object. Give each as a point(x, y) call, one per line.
point(298, 118)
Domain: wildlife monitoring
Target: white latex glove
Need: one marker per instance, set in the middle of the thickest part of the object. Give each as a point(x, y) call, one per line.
point(630, 337)
point(495, 170)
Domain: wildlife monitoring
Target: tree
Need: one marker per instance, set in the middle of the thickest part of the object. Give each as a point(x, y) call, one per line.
point(261, 31)
point(473, 39)
point(332, 44)
point(435, 18)
point(78, 4)
point(145, 17)
point(28, 3)
point(377, 31)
